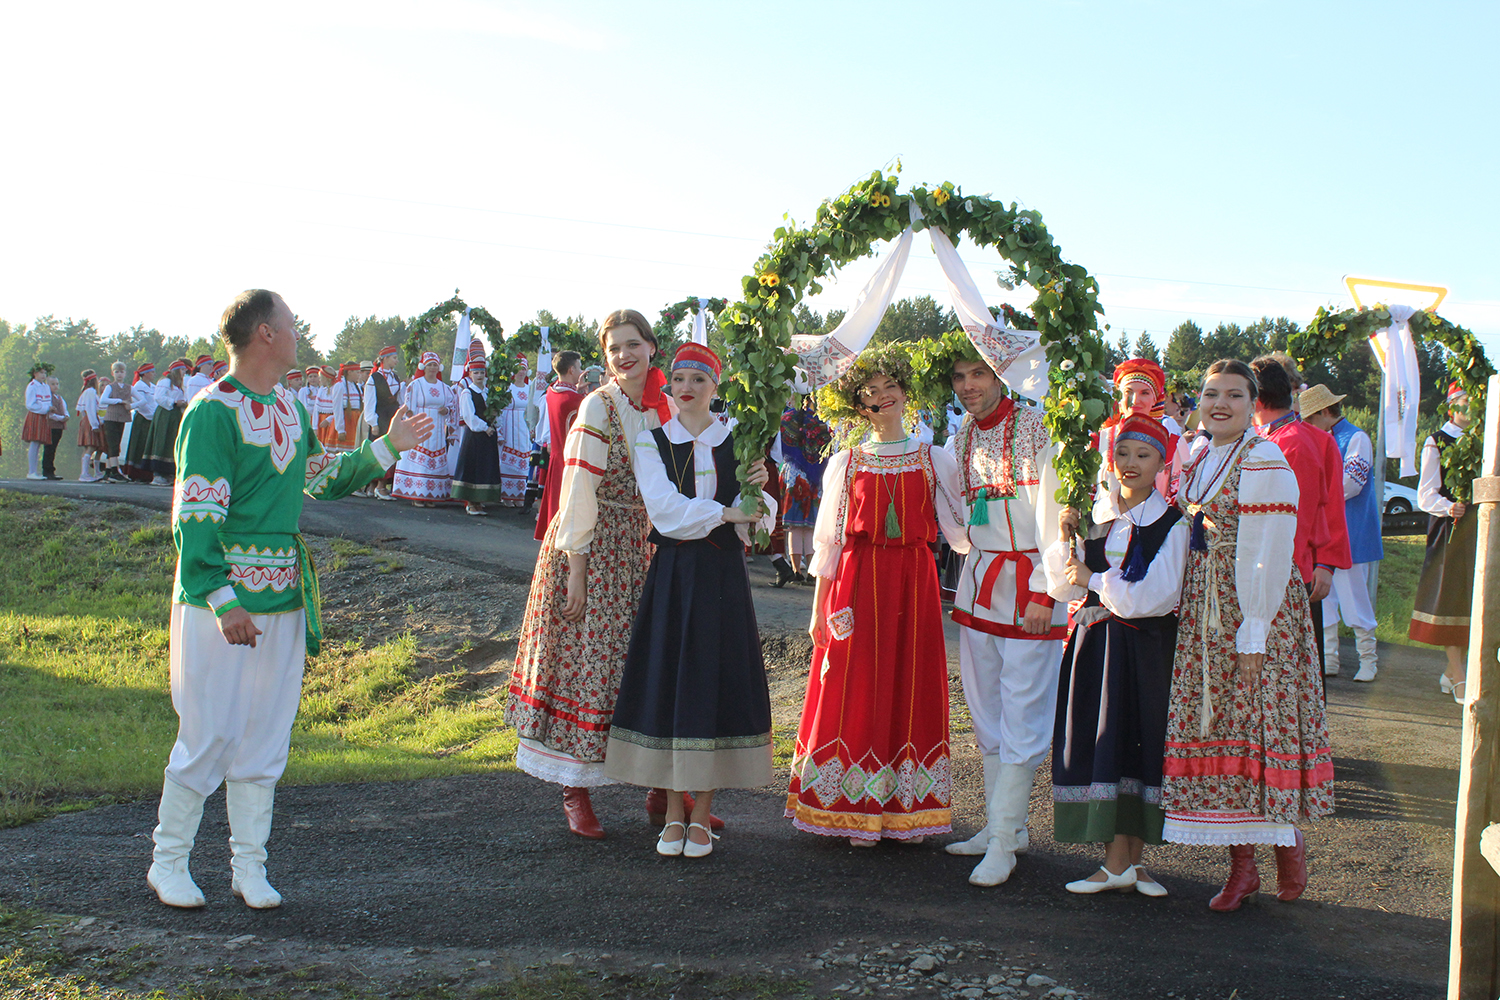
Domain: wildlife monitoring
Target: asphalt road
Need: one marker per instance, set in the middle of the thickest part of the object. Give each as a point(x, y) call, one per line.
point(485, 862)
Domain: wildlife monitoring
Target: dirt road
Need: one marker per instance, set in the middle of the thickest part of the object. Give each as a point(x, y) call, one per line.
point(435, 879)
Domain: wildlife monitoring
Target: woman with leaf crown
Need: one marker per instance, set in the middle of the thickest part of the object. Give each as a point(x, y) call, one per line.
point(872, 757)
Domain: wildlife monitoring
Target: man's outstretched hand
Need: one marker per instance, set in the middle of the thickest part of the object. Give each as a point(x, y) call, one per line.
point(408, 428)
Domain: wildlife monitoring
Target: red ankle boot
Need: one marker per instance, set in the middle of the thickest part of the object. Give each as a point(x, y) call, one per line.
point(1291, 870)
point(656, 808)
point(579, 809)
point(1243, 882)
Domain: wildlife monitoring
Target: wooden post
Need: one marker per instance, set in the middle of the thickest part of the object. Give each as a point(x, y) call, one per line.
point(1474, 955)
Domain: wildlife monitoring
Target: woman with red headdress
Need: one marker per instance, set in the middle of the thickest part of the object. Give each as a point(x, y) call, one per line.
point(476, 478)
point(343, 430)
point(422, 474)
point(161, 453)
point(1142, 388)
point(91, 441)
point(589, 574)
point(1111, 724)
point(515, 439)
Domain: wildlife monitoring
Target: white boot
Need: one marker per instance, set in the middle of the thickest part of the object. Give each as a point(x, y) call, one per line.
point(980, 842)
point(1007, 809)
point(177, 824)
point(1364, 641)
point(249, 808)
point(1331, 649)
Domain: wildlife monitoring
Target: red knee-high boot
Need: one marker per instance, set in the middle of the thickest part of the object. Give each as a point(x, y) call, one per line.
point(1291, 870)
point(1243, 882)
point(579, 809)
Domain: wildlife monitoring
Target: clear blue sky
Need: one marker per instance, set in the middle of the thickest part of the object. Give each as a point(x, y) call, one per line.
point(1218, 161)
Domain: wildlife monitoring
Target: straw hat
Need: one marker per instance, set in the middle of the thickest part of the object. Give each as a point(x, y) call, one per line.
point(1319, 397)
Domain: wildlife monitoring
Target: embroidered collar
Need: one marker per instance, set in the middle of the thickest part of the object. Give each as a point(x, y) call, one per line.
point(998, 414)
point(713, 435)
point(564, 386)
point(1290, 417)
point(269, 397)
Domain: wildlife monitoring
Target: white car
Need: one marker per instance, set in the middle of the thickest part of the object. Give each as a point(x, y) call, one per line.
point(1399, 499)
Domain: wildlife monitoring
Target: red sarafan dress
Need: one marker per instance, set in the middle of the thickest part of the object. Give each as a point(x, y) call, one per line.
point(872, 757)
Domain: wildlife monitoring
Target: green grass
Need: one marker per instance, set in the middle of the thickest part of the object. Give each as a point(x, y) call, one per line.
point(1399, 572)
point(84, 680)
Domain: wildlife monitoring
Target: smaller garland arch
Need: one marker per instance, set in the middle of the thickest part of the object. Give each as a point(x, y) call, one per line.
point(758, 328)
point(497, 394)
point(668, 335)
point(563, 335)
point(1331, 334)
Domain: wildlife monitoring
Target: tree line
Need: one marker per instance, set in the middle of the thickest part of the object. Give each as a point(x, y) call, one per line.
point(72, 346)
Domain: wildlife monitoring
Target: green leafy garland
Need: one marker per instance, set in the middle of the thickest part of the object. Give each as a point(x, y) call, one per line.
point(1331, 334)
point(668, 335)
point(497, 395)
point(563, 336)
point(758, 329)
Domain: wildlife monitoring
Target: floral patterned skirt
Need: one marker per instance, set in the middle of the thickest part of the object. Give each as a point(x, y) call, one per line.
point(1264, 763)
point(566, 676)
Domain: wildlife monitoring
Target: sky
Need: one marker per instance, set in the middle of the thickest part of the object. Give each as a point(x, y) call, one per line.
point(1217, 162)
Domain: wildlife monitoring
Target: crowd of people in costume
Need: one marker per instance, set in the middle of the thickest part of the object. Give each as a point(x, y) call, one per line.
point(1167, 647)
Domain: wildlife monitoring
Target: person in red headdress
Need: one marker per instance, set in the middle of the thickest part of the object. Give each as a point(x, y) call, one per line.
point(200, 378)
point(589, 574)
point(344, 431)
point(1440, 614)
point(383, 396)
point(694, 710)
point(563, 398)
point(422, 474)
point(1110, 728)
point(137, 434)
point(476, 478)
point(170, 402)
point(1142, 387)
point(91, 442)
point(515, 438)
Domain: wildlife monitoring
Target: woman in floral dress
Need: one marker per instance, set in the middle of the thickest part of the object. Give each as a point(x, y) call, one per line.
point(872, 756)
point(1247, 755)
point(422, 474)
point(589, 575)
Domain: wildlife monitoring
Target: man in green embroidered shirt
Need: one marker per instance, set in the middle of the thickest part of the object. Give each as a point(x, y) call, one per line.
point(245, 600)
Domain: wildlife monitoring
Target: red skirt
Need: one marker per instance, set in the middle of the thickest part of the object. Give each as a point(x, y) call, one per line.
point(872, 756)
point(37, 428)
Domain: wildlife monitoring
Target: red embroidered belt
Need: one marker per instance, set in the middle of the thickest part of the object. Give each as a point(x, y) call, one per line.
point(1024, 595)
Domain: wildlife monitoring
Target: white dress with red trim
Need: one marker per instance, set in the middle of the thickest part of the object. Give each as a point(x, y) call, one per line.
point(422, 472)
point(515, 447)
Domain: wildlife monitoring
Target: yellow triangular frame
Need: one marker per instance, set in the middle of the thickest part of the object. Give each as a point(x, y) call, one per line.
point(1354, 284)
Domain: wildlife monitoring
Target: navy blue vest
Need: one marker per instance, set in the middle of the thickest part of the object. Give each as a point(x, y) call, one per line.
point(1362, 511)
point(678, 458)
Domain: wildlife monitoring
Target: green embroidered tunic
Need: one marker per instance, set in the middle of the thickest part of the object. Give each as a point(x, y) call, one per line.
point(244, 461)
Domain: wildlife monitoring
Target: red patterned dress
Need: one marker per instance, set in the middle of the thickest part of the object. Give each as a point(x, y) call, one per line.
point(566, 676)
point(1244, 764)
point(872, 756)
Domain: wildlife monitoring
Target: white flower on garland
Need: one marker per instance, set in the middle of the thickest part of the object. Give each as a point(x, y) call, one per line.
point(1066, 364)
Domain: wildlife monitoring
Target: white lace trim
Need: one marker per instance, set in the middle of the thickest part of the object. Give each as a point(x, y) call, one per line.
point(1228, 834)
point(560, 768)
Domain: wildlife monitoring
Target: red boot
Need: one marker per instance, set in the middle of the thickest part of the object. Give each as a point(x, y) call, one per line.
point(580, 812)
point(1243, 882)
point(656, 808)
point(1291, 870)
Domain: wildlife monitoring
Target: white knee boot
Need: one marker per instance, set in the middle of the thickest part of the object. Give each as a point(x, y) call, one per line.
point(249, 808)
point(33, 452)
point(177, 825)
point(1331, 648)
point(980, 842)
point(1007, 809)
point(1364, 641)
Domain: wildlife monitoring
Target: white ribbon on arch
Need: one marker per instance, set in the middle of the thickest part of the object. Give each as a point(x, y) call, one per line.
point(1396, 353)
point(700, 323)
point(1016, 355)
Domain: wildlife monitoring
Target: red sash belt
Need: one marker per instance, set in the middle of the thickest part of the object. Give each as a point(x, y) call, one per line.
point(1024, 596)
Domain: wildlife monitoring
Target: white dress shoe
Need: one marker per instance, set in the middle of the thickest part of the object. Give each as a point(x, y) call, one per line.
point(1122, 881)
point(692, 849)
point(1146, 888)
point(671, 848)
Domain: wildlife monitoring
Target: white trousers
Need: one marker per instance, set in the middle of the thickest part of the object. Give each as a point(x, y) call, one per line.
point(1011, 689)
point(1350, 598)
point(235, 705)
